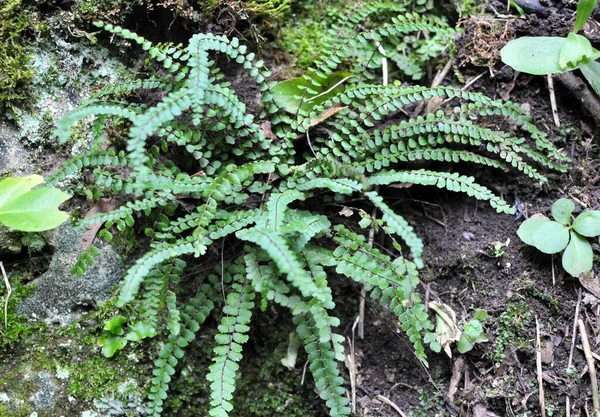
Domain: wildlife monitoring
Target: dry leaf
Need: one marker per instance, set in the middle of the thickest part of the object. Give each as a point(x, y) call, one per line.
point(104, 205)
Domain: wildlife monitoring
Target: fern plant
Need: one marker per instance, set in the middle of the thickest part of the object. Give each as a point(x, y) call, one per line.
point(199, 170)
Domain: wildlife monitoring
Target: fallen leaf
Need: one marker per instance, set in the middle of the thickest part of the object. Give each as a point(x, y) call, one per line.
point(104, 205)
point(590, 283)
point(266, 126)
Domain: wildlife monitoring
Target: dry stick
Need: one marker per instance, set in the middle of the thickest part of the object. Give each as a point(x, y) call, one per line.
point(538, 363)
point(437, 80)
point(589, 101)
point(8, 292)
point(352, 366)
point(391, 404)
point(468, 84)
point(553, 274)
point(574, 336)
point(591, 367)
point(553, 100)
point(363, 293)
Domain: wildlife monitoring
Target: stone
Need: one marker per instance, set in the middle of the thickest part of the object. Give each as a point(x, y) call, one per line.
point(61, 297)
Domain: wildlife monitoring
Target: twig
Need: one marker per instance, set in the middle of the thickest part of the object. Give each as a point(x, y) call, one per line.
point(363, 292)
point(570, 363)
point(384, 66)
point(8, 292)
point(591, 367)
point(538, 363)
point(303, 373)
point(329, 90)
point(391, 404)
point(588, 99)
point(553, 101)
point(352, 366)
point(594, 355)
point(439, 77)
point(468, 84)
point(553, 274)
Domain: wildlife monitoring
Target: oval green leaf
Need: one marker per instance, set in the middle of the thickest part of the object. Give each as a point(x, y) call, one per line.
point(576, 51)
point(291, 94)
point(562, 209)
point(28, 210)
point(591, 71)
point(588, 223)
point(578, 255)
point(530, 226)
point(551, 237)
point(537, 55)
point(584, 10)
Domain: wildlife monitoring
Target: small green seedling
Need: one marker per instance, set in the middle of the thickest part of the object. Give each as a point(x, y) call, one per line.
point(541, 55)
point(30, 210)
point(553, 236)
point(448, 330)
point(113, 338)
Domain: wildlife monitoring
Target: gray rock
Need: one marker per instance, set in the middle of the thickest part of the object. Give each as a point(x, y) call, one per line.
point(45, 395)
point(14, 158)
point(61, 297)
point(127, 402)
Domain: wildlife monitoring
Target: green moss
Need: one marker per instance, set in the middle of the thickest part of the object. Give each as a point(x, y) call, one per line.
point(301, 35)
point(15, 63)
point(511, 329)
point(17, 327)
point(113, 11)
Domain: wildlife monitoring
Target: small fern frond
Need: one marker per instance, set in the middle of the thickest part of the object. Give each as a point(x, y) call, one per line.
point(155, 289)
point(392, 282)
point(324, 357)
point(398, 225)
point(174, 318)
point(344, 186)
point(265, 281)
point(136, 274)
point(286, 260)
point(233, 330)
point(192, 316)
point(63, 126)
point(449, 181)
point(304, 226)
point(277, 205)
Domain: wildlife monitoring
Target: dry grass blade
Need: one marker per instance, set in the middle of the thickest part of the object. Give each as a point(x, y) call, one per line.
point(8, 292)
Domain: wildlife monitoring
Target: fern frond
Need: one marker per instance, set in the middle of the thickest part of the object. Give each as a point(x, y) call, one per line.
point(233, 330)
point(392, 282)
point(143, 265)
point(324, 357)
point(303, 226)
point(398, 225)
point(145, 124)
point(174, 319)
point(286, 260)
point(449, 181)
point(63, 126)
point(344, 186)
point(265, 281)
point(277, 205)
point(192, 316)
point(155, 289)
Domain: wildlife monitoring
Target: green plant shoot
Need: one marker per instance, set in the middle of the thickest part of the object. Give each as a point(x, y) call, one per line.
point(554, 236)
